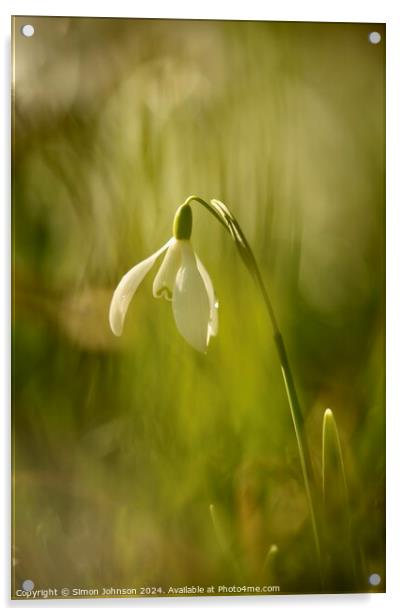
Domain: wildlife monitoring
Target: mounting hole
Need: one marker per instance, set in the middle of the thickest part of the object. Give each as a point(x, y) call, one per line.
point(374, 579)
point(28, 585)
point(28, 30)
point(374, 38)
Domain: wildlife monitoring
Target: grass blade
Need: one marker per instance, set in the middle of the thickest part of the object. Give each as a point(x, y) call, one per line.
point(340, 559)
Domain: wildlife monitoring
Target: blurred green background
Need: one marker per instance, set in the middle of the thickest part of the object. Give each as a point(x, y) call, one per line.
point(121, 445)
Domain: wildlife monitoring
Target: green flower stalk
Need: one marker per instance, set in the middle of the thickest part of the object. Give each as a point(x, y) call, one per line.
point(224, 216)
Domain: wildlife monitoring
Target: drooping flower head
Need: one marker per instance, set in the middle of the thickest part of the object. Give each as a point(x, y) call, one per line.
point(181, 279)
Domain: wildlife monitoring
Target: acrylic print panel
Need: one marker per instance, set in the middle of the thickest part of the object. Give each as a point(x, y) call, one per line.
point(198, 308)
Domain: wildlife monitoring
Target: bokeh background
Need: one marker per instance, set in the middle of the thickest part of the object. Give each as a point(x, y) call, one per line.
point(120, 446)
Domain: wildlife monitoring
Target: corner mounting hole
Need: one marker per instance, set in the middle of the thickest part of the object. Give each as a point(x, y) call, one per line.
point(374, 38)
point(374, 579)
point(28, 585)
point(28, 30)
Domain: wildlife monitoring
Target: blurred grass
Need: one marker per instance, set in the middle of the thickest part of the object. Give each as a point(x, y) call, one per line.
point(340, 548)
point(122, 445)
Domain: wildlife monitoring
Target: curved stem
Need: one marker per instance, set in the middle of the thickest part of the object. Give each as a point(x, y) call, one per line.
point(226, 218)
point(207, 206)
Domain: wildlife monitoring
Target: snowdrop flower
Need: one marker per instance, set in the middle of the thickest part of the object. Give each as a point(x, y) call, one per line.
point(181, 279)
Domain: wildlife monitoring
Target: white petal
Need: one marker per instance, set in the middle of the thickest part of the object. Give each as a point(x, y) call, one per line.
point(126, 289)
point(166, 276)
point(213, 304)
point(190, 301)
